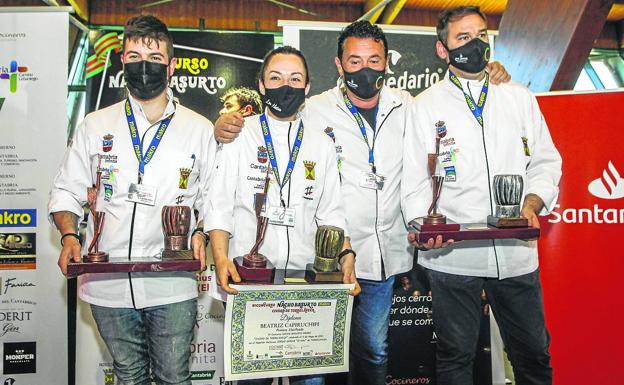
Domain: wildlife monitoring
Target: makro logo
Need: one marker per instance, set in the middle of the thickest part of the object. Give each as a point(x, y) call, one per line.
point(11, 74)
point(609, 186)
point(18, 217)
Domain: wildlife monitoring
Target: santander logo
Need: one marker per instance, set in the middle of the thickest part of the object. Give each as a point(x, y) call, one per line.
point(609, 186)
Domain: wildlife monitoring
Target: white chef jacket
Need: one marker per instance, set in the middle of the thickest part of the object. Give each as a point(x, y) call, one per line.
point(188, 136)
point(468, 154)
point(313, 191)
point(378, 233)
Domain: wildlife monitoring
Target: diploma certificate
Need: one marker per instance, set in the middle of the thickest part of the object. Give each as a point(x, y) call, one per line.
point(287, 330)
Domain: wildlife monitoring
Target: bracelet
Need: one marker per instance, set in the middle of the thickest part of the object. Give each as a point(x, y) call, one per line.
point(344, 253)
point(201, 231)
point(74, 235)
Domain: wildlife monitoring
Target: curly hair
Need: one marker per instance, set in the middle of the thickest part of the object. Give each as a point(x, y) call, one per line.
point(361, 29)
point(245, 96)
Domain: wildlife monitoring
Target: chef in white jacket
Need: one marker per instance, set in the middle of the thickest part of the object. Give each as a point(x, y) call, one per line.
point(305, 185)
point(483, 130)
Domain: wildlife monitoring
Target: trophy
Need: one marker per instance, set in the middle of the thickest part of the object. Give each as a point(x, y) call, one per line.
point(328, 244)
point(435, 221)
point(253, 266)
point(507, 196)
point(94, 254)
point(176, 223)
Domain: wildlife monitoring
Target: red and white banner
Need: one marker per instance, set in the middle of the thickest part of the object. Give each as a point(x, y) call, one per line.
point(581, 252)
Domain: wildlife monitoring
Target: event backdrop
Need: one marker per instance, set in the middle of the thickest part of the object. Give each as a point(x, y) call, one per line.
point(208, 65)
point(33, 126)
point(581, 256)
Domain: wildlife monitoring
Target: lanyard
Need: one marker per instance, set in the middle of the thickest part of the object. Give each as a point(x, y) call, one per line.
point(475, 108)
point(136, 142)
point(271, 151)
point(358, 118)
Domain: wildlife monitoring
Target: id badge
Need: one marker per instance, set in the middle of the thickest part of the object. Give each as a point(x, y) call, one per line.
point(281, 216)
point(142, 194)
point(372, 181)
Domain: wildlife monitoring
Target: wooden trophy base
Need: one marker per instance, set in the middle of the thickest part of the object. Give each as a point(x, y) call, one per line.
point(470, 231)
point(255, 274)
point(98, 257)
point(507, 222)
point(136, 265)
point(312, 275)
point(425, 225)
point(177, 255)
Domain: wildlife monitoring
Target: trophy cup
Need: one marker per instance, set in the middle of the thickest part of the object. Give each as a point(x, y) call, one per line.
point(253, 266)
point(328, 244)
point(507, 196)
point(176, 223)
point(94, 254)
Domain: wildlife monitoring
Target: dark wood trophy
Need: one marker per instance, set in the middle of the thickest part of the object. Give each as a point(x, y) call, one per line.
point(176, 223)
point(328, 245)
point(253, 266)
point(94, 254)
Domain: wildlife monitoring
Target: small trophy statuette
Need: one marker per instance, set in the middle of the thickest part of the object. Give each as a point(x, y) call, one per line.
point(507, 197)
point(253, 266)
point(328, 244)
point(94, 253)
point(176, 223)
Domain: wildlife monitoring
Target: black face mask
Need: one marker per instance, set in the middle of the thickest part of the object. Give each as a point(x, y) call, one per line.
point(145, 80)
point(472, 57)
point(283, 101)
point(365, 82)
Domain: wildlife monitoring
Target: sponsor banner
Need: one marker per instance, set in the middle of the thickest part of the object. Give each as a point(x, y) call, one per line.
point(411, 324)
point(33, 116)
point(18, 251)
point(580, 255)
point(413, 64)
point(208, 64)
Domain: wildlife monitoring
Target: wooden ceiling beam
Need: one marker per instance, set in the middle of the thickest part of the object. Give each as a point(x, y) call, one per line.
point(544, 44)
point(392, 11)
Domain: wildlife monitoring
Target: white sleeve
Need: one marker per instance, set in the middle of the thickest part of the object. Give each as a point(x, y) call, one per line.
point(330, 209)
point(221, 190)
point(416, 182)
point(544, 165)
point(69, 188)
point(207, 164)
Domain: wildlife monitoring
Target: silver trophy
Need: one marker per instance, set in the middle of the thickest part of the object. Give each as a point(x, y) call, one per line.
point(508, 198)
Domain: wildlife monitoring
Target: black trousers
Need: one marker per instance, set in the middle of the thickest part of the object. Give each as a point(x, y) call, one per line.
point(519, 311)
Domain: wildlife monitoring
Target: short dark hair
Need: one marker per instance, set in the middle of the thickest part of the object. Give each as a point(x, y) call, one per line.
point(245, 96)
point(285, 50)
point(454, 14)
point(148, 29)
point(362, 29)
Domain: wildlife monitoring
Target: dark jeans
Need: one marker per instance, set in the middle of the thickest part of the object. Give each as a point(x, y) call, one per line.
point(519, 311)
point(368, 363)
point(155, 339)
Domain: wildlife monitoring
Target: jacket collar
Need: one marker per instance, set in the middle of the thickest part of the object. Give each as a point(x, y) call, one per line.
point(387, 100)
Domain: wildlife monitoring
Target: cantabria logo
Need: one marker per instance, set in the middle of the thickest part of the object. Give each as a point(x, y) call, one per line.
point(609, 186)
point(11, 74)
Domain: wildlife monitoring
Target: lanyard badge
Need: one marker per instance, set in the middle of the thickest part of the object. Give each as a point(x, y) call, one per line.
point(370, 180)
point(475, 107)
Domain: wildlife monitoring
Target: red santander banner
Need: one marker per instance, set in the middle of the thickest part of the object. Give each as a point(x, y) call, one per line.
point(582, 244)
